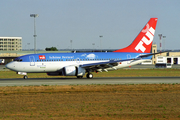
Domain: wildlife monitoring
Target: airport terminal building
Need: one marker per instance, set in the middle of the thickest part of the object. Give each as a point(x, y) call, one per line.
point(172, 58)
point(10, 43)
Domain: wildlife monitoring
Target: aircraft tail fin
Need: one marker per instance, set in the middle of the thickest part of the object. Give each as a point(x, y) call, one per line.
point(143, 42)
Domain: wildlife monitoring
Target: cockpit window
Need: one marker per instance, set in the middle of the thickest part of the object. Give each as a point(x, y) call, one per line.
point(18, 59)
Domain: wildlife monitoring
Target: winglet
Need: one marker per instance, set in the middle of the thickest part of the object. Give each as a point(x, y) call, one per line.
point(143, 42)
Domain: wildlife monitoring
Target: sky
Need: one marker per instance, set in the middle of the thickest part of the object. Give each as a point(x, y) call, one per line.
point(83, 21)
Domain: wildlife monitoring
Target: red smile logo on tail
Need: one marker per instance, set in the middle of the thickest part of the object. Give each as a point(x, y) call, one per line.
point(143, 42)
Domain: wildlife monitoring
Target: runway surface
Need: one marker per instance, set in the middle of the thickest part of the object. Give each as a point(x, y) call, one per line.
point(74, 81)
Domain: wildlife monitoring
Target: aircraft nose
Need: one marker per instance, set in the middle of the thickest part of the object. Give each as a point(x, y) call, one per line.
point(10, 66)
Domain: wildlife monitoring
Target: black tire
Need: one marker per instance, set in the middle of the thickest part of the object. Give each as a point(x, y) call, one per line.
point(25, 77)
point(89, 75)
point(79, 76)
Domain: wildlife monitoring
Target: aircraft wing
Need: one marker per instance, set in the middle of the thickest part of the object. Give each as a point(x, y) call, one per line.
point(146, 55)
point(104, 65)
point(112, 63)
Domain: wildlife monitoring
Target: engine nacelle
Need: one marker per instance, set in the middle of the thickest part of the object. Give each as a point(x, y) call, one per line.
point(73, 71)
point(81, 71)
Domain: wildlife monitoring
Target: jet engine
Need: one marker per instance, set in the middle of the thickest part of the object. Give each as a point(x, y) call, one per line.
point(73, 71)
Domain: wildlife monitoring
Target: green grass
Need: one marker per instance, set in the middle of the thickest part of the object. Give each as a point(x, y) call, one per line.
point(116, 73)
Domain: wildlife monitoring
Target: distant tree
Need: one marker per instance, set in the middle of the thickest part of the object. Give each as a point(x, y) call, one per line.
point(48, 49)
point(51, 49)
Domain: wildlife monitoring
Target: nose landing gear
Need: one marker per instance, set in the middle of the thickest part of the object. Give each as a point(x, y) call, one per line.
point(23, 73)
point(25, 77)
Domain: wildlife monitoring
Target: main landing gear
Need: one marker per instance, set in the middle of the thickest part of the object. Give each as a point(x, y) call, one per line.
point(89, 75)
point(79, 76)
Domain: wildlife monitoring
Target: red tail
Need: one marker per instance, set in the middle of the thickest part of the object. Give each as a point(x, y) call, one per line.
point(143, 42)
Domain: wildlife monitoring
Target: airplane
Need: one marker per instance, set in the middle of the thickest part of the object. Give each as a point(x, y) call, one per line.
point(79, 64)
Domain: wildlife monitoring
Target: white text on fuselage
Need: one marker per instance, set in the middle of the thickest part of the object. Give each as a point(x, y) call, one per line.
point(61, 57)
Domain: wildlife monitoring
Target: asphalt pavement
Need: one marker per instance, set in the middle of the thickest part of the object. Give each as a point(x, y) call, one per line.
point(84, 81)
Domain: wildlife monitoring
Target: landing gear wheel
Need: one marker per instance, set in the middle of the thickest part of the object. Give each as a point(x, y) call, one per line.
point(89, 75)
point(25, 77)
point(79, 76)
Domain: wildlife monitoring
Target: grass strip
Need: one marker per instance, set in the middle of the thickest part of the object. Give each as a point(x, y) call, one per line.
point(116, 73)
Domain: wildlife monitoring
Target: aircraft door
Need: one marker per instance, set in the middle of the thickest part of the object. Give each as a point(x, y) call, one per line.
point(32, 60)
point(128, 57)
point(78, 61)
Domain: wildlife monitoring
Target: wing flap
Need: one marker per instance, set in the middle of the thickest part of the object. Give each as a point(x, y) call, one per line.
point(103, 65)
